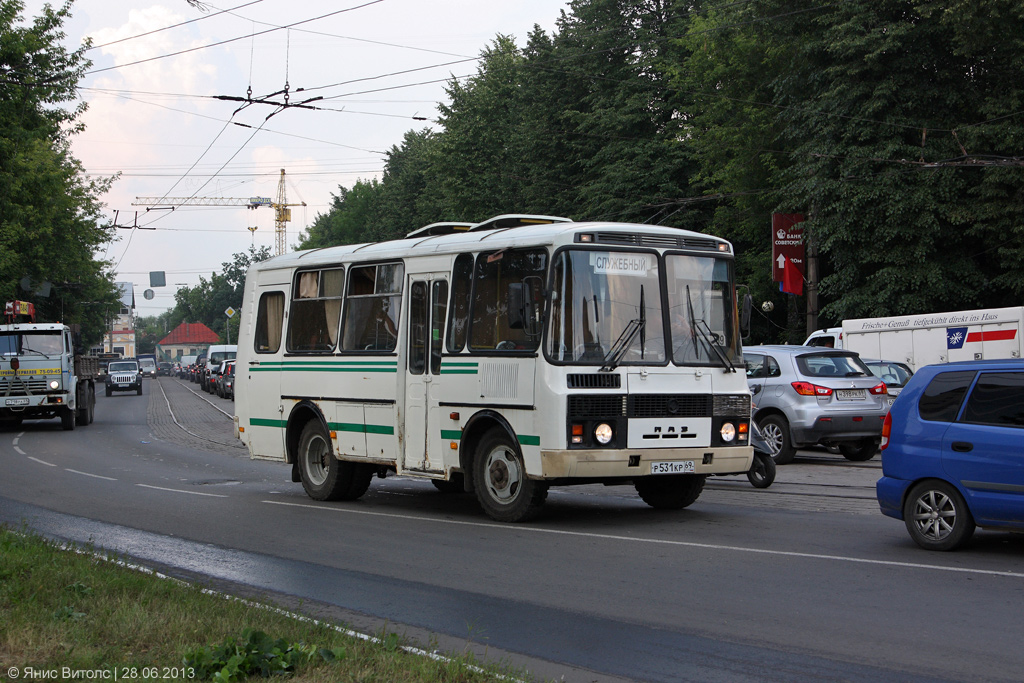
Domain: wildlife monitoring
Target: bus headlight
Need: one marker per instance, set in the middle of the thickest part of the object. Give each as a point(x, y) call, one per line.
point(603, 433)
point(54, 384)
point(728, 432)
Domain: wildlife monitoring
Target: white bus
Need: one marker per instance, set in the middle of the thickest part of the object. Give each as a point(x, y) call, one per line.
point(499, 358)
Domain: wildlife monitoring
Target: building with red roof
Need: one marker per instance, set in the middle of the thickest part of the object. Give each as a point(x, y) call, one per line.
point(187, 339)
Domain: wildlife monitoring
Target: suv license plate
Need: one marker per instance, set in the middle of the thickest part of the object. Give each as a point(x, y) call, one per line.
point(849, 394)
point(678, 467)
point(16, 402)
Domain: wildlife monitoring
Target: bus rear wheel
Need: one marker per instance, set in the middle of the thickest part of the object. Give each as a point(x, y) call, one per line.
point(670, 491)
point(504, 491)
point(323, 476)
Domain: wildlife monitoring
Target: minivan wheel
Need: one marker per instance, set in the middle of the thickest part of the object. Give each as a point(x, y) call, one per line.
point(775, 430)
point(859, 451)
point(937, 516)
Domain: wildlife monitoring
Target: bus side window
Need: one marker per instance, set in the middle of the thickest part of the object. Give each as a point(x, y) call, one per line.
point(489, 328)
point(372, 305)
point(462, 280)
point(269, 319)
point(316, 310)
point(417, 328)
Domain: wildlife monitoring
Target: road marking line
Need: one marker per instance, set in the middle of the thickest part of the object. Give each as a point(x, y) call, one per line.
point(86, 474)
point(191, 493)
point(41, 462)
point(20, 451)
point(659, 541)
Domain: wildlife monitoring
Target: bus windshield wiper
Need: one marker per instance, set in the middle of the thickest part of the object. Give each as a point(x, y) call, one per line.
point(701, 327)
point(622, 344)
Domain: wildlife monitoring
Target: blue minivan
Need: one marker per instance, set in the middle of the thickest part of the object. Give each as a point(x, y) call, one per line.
point(953, 452)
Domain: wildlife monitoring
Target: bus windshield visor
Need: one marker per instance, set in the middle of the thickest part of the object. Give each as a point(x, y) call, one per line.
point(703, 321)
point(606, 309)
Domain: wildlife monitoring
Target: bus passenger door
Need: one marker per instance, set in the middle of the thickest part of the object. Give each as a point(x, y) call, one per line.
point(428, 300)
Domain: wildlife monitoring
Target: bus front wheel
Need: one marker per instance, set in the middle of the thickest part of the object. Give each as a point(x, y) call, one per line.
point(504, 491)
point(323, 476)
point(670, 491)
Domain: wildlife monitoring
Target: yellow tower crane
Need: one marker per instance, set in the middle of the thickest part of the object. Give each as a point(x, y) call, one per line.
point(282, 209)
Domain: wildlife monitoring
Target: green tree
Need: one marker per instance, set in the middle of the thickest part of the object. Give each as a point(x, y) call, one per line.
point(51, 225)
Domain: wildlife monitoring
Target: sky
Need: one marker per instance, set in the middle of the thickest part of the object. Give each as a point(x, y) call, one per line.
point(379, 65)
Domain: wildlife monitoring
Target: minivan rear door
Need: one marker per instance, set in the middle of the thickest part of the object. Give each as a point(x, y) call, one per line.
point(982, 449)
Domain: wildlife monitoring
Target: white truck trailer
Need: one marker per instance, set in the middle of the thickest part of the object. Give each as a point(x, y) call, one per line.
point(919, 340)
point(40, 375)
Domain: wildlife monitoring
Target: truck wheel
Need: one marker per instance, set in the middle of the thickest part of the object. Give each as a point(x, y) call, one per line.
point(504, 491)
point(67, 419)
point(670, 492)
point(859, 451)
point(324, 477)
point(775, 430)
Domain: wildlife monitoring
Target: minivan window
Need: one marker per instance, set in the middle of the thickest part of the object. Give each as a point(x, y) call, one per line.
point(941, 400)
point(997, 399)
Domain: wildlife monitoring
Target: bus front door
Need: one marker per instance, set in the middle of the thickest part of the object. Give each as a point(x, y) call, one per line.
point(428, 301)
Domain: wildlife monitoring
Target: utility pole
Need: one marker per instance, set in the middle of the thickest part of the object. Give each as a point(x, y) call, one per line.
point(811, 293)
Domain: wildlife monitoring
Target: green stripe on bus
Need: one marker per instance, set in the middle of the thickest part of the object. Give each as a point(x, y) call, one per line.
point(261, 422)
point(361, 428)
point(528, 440)
point(451, 434)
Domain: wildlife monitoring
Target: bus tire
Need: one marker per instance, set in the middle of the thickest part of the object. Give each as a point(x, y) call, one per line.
point(504, 491)
point(670, 491)
point(323, 476)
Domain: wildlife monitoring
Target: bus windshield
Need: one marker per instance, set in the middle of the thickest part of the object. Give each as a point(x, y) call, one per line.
point(603, 298)
point(599, 298)
point(703, 320)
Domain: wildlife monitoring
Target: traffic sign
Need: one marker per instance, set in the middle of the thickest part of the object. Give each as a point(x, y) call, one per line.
point(229, 312)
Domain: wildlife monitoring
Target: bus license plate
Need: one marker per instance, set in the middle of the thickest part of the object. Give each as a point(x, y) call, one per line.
point(678, 467)
point(16, 402)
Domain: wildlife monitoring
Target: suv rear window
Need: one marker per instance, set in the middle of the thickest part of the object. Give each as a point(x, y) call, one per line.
point(831, 365)
point(997, 399)
point(941, 400)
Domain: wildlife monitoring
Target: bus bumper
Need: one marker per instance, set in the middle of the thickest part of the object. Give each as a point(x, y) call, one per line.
point(600, 464)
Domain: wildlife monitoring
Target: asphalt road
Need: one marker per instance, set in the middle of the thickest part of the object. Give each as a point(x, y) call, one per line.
point(802, 581)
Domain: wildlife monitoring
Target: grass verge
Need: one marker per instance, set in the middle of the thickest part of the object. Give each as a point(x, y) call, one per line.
point(63, 612)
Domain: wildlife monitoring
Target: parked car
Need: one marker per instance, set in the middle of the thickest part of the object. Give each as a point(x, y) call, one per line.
point(225, 386)
point(951, 454)
point(123, 375)
point(893, 373)
point(805, 395)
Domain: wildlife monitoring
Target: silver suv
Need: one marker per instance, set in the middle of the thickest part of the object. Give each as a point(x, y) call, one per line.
point(806, 395)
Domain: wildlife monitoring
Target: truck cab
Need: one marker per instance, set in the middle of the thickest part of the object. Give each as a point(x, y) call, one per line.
point(40, 376)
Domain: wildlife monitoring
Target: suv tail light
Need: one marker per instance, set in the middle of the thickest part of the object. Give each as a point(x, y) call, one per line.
point(879, 390)
point(808, 389)
point(886, 430)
